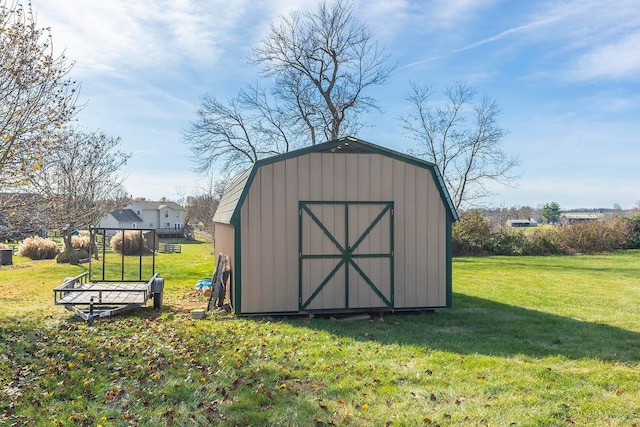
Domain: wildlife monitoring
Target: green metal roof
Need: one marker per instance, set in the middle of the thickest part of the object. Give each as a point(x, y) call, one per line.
point(229, 209)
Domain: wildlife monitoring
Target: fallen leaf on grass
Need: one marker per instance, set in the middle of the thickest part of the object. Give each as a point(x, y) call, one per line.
point(111, 395)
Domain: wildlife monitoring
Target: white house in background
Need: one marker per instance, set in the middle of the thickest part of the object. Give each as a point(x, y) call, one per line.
point(121, 218)
point(166, 218)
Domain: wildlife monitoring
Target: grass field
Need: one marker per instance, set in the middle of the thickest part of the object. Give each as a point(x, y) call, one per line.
point(530, 341)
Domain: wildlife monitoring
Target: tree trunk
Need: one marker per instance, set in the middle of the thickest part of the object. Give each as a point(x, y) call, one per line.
point(73, 256)
point(93, 245)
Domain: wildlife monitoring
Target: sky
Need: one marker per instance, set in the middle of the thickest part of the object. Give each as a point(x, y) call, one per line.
point(565, 74)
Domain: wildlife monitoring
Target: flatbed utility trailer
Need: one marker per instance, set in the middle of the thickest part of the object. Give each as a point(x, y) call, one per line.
point(91, 298)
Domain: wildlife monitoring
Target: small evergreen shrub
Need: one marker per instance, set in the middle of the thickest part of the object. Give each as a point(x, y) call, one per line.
point(38, 248)
point(134, 243)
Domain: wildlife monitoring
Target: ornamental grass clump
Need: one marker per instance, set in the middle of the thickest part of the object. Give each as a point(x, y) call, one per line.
point(133, 243)
point(80, 242)
point(37, 248)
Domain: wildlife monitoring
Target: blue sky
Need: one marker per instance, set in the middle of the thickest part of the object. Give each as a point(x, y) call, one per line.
point(566, 75)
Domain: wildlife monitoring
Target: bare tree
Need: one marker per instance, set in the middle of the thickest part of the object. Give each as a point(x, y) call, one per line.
point(320, 64)
point(463, 138)
point(36, 96)
point(327, 57)
point(237, 134)
point(81, 181)
point(202, 206)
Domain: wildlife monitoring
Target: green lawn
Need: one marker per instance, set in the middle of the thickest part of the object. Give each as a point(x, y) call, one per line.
point(530, 341)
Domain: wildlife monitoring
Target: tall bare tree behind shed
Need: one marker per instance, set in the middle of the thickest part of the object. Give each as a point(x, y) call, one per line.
point(318, 65)
point(322, 61)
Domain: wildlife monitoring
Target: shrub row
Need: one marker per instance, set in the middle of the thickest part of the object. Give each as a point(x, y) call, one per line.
point(474, 235)
point(38, 248)
point(133, 243)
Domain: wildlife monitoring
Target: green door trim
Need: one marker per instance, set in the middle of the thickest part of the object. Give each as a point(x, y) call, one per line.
point(346, 256)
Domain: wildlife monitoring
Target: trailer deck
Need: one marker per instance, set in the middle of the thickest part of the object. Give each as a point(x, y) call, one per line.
point(91, 300)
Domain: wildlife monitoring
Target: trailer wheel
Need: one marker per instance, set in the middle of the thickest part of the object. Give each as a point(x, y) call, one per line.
point(158, 292)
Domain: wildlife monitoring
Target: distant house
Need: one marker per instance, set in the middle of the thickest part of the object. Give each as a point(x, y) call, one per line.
point(522, 223)
point(121, 218)
point(166, 218)
point(567, 219)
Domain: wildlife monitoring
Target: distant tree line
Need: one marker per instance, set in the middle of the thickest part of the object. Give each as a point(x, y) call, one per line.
point(476, 235)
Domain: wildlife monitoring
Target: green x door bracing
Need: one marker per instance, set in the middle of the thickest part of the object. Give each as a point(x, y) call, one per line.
point(345, 255)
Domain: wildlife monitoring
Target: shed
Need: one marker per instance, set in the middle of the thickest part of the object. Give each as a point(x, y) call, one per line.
point(568, 219)
point(342, 226)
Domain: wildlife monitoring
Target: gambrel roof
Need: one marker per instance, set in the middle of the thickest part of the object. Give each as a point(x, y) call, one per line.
point(236, 191)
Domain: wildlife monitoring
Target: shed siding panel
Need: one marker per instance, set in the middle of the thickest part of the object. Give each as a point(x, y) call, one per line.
point(278, 234)
point(268, 239)
point(252, 241)
point(423, 221)
point(412, 233)
point(375, 178)
point(327, 180)
point(435, 249)
point(351, 163)
point(386, 180)
point(315, 176)
point(362, 184)
point(340, 178)
point(291, 218)
point(400, 225)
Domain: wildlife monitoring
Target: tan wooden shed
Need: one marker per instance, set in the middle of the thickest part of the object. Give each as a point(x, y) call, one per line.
point(341, 226)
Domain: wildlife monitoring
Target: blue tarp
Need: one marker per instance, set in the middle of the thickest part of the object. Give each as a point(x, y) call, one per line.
point(203, 283)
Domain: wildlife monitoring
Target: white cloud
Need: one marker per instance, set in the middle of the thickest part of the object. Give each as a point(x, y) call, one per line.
point(614, 60)
point(448, 14)
point(114, 36)
point(384, 17)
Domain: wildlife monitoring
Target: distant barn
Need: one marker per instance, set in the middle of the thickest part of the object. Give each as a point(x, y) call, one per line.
point(575, 218)
point(342, 226)
point(522, 223)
